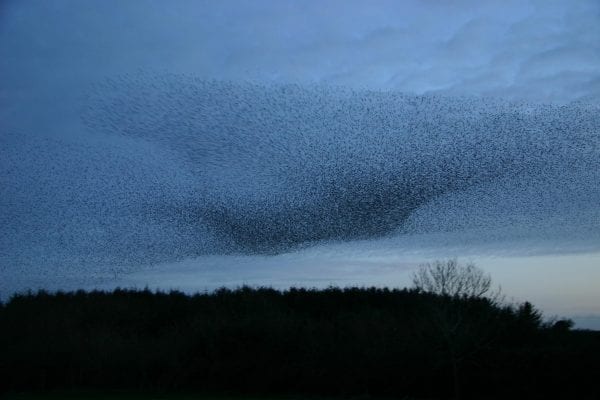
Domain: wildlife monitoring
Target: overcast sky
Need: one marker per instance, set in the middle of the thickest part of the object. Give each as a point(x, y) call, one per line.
point(540, 50)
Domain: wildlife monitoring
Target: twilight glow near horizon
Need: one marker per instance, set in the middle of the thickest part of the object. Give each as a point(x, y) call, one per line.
point(194, 144)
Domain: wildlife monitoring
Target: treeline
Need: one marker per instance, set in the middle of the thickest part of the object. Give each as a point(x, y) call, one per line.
point(333, 342)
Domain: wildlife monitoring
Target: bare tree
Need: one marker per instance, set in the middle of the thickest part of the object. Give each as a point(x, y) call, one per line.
point(461, 336)
point(450, 278)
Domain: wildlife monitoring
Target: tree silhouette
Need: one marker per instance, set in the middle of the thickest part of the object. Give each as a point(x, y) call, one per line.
point(449, 278)
point(461, 336)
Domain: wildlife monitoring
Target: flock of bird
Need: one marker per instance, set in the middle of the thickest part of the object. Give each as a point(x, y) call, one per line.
point(174, 166)
point(285, 165)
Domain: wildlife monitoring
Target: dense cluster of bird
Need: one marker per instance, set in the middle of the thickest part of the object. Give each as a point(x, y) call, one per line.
point(176, 166)
point(277, 166)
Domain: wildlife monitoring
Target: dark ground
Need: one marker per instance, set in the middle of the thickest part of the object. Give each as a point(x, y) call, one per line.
point(262, 343)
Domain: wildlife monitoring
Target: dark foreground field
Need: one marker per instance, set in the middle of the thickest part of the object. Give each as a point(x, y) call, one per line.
point(126, 395)
point(262, 343)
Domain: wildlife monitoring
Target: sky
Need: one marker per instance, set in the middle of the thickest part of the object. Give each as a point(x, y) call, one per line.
point(55, 58)
point(542, 50)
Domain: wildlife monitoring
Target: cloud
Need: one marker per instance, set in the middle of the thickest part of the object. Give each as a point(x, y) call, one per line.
point(466, 47)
